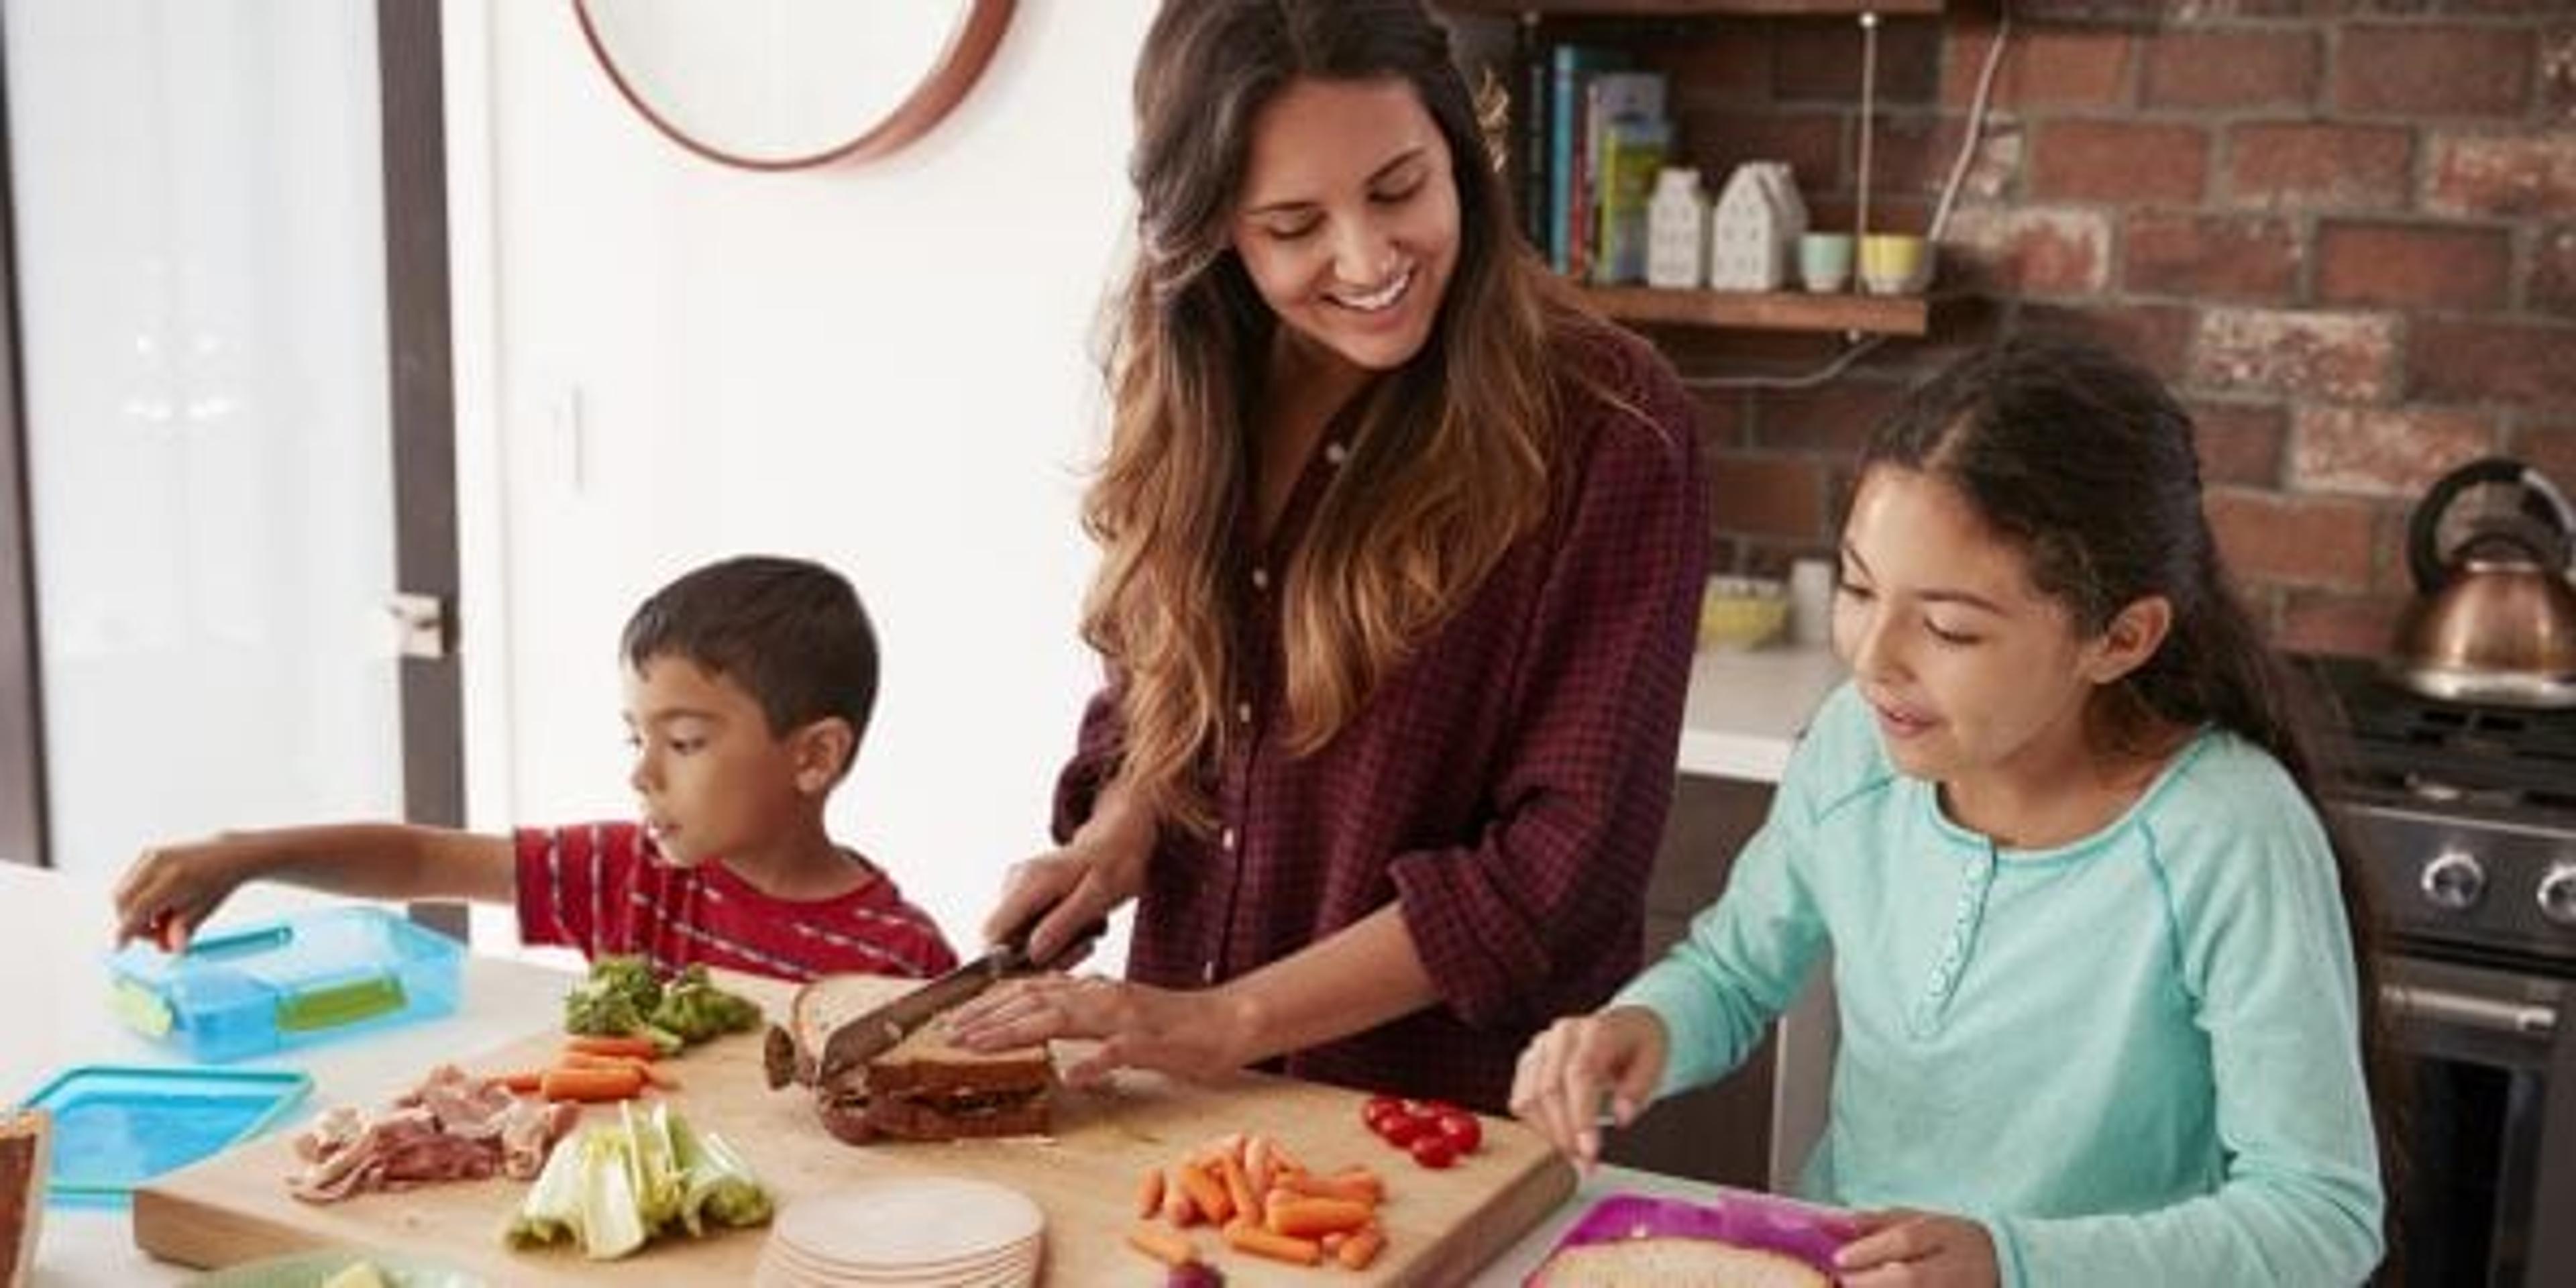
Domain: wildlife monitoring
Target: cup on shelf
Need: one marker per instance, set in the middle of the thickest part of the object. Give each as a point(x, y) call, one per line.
point(1811, 601)
point(1825, 261)
point(1894, 263)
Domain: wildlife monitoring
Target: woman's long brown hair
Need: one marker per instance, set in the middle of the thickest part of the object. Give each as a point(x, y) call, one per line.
point(1452, 456)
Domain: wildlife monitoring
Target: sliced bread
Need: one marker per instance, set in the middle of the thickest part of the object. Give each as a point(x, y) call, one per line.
point(1674, 1263)
point(23, 1139)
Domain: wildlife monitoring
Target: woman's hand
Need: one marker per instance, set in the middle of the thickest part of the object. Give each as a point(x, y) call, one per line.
point(1907, 1249)
point(1568, 1071)
point(1057, 897)
point(1194, 1034)
point(172, 889)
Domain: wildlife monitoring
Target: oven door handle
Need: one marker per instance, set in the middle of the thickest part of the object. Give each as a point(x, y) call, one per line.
point(2442, 1006)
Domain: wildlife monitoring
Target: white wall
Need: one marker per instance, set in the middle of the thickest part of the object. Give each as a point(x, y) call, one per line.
point(890, 367)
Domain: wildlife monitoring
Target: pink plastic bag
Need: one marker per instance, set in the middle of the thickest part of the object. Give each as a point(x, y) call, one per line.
point(1806, 1231)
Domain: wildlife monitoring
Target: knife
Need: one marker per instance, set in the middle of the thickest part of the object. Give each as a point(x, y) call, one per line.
point(853, 1044)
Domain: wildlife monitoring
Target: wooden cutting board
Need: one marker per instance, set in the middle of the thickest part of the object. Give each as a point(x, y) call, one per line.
point(1441, 1226)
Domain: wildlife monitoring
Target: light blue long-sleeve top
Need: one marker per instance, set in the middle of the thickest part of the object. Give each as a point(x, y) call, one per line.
point(2132, 1057)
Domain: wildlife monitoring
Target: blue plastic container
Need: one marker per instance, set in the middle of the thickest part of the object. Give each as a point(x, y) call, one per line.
point(116, 1127)
point(289, 982)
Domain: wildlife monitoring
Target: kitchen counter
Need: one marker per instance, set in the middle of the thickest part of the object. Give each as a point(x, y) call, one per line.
point(53, 979)
point(1746, 708)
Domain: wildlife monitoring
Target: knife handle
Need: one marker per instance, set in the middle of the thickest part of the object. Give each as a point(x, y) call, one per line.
point(1018, 944)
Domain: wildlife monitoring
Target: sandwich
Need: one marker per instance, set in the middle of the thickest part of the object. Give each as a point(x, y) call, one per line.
point(22, 1192)
point(1674, 1263)
point(920, 1088)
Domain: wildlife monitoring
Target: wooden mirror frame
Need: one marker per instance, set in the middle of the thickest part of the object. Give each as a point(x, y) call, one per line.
point(970, 48)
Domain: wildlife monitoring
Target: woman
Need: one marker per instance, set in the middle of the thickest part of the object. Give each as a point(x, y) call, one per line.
point(1401, 560)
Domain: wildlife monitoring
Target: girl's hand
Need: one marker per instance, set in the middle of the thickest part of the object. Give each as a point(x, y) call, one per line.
point(1192, 1034)
point(1906, 1249)
point(172, 889)
point(1568, 1071)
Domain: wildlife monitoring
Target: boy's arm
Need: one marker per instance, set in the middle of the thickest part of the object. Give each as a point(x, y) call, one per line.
point(171, 890)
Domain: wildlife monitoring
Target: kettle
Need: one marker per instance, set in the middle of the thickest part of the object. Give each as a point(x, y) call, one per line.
point(2494, 620)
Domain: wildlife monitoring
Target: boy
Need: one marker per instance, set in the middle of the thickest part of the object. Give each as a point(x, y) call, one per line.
point(747, 691)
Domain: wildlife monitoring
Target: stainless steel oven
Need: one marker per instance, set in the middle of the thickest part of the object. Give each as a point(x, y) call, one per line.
point(2490, 1127)
point(2466, 820)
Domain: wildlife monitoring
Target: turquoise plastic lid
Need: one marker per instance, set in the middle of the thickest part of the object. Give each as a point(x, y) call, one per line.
point(117, 1126)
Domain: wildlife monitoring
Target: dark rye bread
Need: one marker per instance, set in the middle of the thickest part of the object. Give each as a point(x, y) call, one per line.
point(23, 1138)
point(923, 1089)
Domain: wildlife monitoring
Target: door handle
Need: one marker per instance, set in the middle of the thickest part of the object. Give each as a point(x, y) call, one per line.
point(420, 625)
point(2442, 1006)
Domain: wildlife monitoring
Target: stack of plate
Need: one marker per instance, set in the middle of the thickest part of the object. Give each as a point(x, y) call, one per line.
point(930, 1231)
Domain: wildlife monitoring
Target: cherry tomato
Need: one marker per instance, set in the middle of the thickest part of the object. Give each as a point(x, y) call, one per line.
point(1461, 1130)
point(1433, 1151)
point(1402, 1130)
point(1379, 1107)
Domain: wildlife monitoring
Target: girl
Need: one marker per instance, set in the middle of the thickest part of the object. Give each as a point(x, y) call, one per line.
point(2096, 958)
point(1401, 557)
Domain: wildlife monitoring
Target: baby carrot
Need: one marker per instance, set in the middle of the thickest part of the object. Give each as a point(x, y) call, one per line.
point(597, 1044)
point(1307, 1218)
point(562, 1083)
point(1238, 1189)
point(1149, 1192)
point(1206, 1192)
point(1178, 1207)
point(1170, 1247)
point(522, 1081)
point(1353, 1184)
point(1360, 1249)
point(587, 1060)
point(1244, 1236)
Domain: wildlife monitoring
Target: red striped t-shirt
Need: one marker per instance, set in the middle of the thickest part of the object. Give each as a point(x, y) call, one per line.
point(603, 888)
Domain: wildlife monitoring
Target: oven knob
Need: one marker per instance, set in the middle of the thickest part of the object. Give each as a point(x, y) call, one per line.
point(2558, 895)
point(2454, 881)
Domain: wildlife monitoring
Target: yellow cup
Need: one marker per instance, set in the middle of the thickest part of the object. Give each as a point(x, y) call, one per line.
point(1894, 263)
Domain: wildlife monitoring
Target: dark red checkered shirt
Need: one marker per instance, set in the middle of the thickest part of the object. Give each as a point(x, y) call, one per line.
point(1506, 785)
point(603, 888)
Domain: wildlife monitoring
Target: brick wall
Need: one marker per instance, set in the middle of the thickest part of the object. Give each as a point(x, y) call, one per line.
point(2345, 230)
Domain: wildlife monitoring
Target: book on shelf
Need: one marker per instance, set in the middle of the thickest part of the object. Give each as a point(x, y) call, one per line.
point(1571, 68)
point(1630, 140)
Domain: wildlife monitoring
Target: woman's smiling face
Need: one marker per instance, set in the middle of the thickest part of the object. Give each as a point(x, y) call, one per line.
point(1347, 219)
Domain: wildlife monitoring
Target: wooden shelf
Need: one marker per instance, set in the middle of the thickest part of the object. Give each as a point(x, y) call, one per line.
point(1693, 8)
point(1897, 315)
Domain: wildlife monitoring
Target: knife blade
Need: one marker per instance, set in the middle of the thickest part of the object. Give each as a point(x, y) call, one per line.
point(853, 1044)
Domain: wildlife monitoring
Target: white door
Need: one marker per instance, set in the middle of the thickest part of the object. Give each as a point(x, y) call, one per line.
point(201, 287)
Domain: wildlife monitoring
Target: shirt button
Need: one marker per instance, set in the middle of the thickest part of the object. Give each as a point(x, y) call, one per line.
point(1261, 579)
point(1335, 453)
point(1226, 839)
point(1207, 973)
point(1243, 712)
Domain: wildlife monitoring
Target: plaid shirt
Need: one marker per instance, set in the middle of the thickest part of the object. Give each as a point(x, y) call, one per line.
point(1506, 785)
point(603, 888)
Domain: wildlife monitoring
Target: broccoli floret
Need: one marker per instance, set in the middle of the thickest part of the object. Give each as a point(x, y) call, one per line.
point(694, 1008)
point(619, 997)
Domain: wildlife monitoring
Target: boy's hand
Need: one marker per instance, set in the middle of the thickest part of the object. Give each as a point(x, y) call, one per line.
point(172, 889)
point(1918, 1250)
point(1580, 1061)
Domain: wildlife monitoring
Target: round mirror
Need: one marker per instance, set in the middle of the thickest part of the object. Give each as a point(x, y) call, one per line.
point(782, 84)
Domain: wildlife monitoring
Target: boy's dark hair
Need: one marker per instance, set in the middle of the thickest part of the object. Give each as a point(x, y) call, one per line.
point(791, 632)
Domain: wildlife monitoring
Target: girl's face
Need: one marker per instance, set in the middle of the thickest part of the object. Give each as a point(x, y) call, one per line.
point(711, 779)
point(1348, 217)
point(1974, 675)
